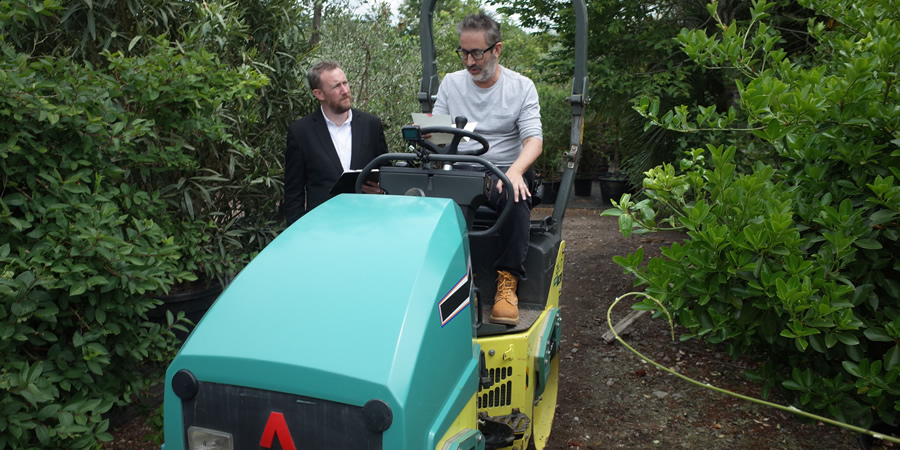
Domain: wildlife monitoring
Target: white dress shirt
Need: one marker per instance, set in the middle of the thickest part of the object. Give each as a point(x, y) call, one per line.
point(341, 138)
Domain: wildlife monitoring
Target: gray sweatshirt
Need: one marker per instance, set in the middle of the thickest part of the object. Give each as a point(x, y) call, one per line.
point(507, 112)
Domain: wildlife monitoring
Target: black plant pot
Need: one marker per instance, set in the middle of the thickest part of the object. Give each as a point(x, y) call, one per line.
point(612, 188)
point(550, 192)
point(583, 186)
point(194, 304)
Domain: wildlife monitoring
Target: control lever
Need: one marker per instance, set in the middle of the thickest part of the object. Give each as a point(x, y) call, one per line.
point(461, 122)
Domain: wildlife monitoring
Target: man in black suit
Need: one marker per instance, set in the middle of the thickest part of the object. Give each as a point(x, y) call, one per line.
point(333, 139)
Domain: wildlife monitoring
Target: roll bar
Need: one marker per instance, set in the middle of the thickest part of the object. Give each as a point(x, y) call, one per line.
point(428, 87)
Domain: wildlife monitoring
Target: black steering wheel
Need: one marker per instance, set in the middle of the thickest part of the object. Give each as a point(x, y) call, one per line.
point(505, 213)
point(453, 147)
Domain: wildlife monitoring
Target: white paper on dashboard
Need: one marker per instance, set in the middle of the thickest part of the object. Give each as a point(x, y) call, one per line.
point(425, 120)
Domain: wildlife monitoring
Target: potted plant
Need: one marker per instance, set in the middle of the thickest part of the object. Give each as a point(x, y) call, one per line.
point(612, 183)
point(556, 116)
point(548, 174)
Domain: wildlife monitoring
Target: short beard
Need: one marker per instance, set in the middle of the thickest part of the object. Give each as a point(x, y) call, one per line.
point(487, 70)
point(339, 108)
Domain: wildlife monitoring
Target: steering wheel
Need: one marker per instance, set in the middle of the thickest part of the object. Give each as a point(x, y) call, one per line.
point(505, 213)
point(453, 147)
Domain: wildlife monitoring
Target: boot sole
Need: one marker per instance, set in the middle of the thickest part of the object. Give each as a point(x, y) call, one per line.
point(505, 320)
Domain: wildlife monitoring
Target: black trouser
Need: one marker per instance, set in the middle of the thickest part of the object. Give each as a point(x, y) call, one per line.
point(514, 235)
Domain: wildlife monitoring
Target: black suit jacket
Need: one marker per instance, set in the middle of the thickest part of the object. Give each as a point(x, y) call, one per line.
point(312, 165)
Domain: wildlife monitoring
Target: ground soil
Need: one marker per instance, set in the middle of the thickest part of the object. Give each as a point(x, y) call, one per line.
point(608, 397)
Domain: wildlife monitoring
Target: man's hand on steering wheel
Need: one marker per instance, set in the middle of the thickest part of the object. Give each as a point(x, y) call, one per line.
point(520, 187)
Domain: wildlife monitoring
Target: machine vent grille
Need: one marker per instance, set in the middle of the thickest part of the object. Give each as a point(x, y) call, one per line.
point(500, 394)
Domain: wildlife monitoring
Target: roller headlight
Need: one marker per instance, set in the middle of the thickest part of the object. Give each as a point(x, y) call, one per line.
point(206, 439)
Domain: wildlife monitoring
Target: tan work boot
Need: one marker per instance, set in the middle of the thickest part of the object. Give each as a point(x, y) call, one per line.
point(506, 304)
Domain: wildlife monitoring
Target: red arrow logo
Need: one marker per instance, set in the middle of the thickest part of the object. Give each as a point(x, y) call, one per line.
point(276, 425)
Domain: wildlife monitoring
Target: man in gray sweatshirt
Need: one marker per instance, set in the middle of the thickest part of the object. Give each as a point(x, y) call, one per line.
point(505, 105)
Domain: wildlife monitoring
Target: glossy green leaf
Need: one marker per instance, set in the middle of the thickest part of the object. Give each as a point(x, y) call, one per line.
point(892, 358)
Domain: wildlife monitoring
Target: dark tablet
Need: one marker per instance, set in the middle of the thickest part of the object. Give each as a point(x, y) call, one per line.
point(346, 184)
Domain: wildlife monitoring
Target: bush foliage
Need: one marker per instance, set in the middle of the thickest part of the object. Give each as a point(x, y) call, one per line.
point(88, 233)
point(140, 147)
point(792, 258)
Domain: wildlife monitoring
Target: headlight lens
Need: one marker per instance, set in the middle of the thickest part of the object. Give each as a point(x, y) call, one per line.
point(206, 439)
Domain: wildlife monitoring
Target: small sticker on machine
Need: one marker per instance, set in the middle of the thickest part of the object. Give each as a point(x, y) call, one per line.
point(454, 301)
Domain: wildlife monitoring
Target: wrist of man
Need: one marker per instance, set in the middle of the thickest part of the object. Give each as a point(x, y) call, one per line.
point(513, 170)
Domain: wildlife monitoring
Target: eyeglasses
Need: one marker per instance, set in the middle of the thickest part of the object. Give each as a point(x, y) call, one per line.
point(476, 54)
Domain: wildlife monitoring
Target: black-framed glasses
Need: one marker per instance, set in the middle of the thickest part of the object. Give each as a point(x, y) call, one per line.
point(477, 54)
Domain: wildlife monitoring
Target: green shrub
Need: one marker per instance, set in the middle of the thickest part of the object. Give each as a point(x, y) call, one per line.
point(100, 165)
point(79, 253)
point(792, 260)
point(189, 151)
